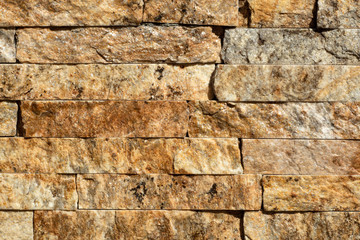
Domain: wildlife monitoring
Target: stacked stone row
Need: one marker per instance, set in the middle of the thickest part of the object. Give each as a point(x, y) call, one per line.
point(188, 119)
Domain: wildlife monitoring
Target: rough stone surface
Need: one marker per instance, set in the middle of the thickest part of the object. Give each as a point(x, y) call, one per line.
point(272, 120)
point(70, 13)
point(299, 226)
point(282, 13)
point(201, 12)
point(338, 14)
point(104, 119)
point(244, 13)
point(37, 191)
point(287, 83)
point(7, 45)
point(311, 193)
point(16, 225)
point(291, 46)
point(171, 44)
point(235, 192)
point(307, 157)
point(98, 81)
point(8, 118)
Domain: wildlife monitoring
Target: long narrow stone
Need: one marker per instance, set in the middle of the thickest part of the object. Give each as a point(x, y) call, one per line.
point(338, 14)
point(272, 120)
point(311, 193)
point(16, 225)
point(7, 45)
point(235, 192)
point(8, 118)
point(104, 119)
point(99, 81)
point(287, 83)
point(171, 44)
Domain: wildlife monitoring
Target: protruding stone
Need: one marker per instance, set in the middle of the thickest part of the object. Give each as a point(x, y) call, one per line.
point(311, 193)
point(7, 45)
point(338, 14)
point(171, 44)
point(16, 225)
point(8, 118)
point(235, 192)
point(37, 191)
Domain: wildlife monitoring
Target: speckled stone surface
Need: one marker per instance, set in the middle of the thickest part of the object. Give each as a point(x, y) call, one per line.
point(8, 118)
point(338, 14)
point(16, 225)
point(7, 45)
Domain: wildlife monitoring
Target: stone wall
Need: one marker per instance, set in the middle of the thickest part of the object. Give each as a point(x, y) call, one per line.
point(180, 119)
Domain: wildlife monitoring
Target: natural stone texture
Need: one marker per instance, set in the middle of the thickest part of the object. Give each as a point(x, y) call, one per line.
point(199, 12)
point(99, 81)
point(244, 13)
point(311, 193)
point(74, 224)
point(287, 83)
point(291, 46)
point(308, 157)
point(282, 13)
point(272, 120)
point(172, 44)
point(176, 225)
point(338, 14)
point(70, 13)
point(8, 118)
point(235, 192)
point(104, 119)
point(7, 45)
point(299, 226)
point(37, 191)
point(16, 225)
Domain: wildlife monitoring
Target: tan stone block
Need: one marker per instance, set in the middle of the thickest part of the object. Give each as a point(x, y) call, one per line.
point(8, 118)
point(16, 225)
point(7, 45)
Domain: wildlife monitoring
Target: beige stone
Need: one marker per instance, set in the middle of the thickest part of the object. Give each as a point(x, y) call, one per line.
point(235, 192)
point(37, 191)
point(307, 157)
point(7, 45)
point(299, 226)
point(16, 225)
point(171, 44)
point(199, 12)
point(8, 118)
point(104, 118)
point(311, 193)
point(338, 14)
point(99, 81)
point(287, 83)
point(275, 120)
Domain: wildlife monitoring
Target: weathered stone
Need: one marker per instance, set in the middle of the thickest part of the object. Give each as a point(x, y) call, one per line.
point(7, 45)
point(119, 45)
point(37, 191)
point(338, 14)
point(70, 13)
point(308, 157)
point(287, 83)
point(199, 12)
point(235, 192)
point(244, 13)
point(8, 118)
point(16, 225)
point(99, 81)
point(176, 225)
point(291, 46)
point(299, 226)
point(283, 13)
point(74, 224)
point(273, 120)
point(104, 119)
point(311, 193)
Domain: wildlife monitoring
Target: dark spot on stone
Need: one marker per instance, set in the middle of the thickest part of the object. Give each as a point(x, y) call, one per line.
point(140, 191)
point(212, 191)
point(160, 71)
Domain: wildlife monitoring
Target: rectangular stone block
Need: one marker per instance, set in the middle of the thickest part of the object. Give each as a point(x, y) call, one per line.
point(70, 13)
point(291, 46)
point(7, 45)
point(338, 14)
point(307, 157)
point(37, 191)
point(16, 225)
point(311, 193)
point(104, 119)
point(287, 83)
point(198, 12)
point(171, 44)
point(299, 226)
point(275, 120)
point(8, 118)
point(99, 81)
point(235, 192)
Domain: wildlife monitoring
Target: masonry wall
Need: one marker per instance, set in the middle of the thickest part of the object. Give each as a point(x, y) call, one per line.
point(180, 119)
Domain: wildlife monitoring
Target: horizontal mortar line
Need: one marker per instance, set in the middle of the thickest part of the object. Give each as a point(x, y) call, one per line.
point(129, 174)
point(172, 101)
point(279, 64)
point(279, 102)
point(168, 209)
point(117, 64)
point(307, 175)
